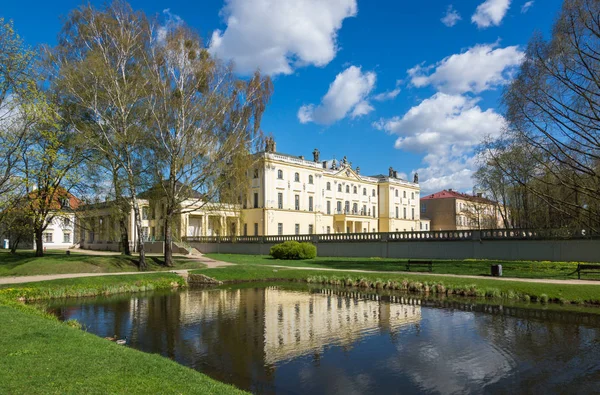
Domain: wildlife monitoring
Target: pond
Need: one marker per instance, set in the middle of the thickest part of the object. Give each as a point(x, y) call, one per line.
point(284, 339)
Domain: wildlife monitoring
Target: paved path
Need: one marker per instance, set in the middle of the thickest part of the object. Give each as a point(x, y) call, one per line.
point(212, 264)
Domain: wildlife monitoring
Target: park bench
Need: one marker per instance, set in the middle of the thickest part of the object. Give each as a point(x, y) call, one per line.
point(584, 268)
point(413, 263)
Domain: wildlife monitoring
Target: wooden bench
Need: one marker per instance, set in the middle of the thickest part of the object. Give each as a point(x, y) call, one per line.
point(412, 262)
point(584, 268)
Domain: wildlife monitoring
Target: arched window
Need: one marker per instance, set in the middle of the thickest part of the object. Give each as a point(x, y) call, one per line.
point(297, 177)
point(373, 192)
point(310, 179)
point(396, 193)
point(404, 194)
point(355, 190)
point(339, 187)
point(365, 191)
point(412, 195)
point(347, 188)
point(280, 174)
point(328, 186)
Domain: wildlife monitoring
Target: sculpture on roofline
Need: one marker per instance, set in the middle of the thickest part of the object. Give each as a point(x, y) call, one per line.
point(316, 154)
point(391, 172)
point(416, 178)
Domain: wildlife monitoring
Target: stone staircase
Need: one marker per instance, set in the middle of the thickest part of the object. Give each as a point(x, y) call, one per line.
point(185, 249)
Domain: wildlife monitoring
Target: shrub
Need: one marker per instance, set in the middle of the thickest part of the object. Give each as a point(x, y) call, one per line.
point(293, 250)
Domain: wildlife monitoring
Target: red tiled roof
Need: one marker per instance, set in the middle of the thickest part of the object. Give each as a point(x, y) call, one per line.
point(446, 194)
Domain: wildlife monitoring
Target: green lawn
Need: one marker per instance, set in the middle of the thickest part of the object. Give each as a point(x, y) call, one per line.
point(25, 263)
point(517, 269)
point(589, 294)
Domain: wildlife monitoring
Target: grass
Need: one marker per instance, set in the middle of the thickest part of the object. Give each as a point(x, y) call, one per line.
point(25, 263)
point(516, 269)
point(42, 355)
point(414, 282)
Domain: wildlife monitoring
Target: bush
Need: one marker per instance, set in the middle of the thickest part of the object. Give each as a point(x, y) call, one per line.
point(293, 250)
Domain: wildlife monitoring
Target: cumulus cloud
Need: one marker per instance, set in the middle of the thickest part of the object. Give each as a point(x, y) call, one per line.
point(279, 35)
point(525, 7)
point(388, 95)
point(490, 13)
point(446, 128)
point(452, 17)
point(479, 68)
point(347, 94)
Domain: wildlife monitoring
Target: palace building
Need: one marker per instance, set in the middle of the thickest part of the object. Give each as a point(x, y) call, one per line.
point(291, 195)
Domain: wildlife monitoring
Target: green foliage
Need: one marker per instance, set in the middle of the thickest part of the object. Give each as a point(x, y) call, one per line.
point(293, 250)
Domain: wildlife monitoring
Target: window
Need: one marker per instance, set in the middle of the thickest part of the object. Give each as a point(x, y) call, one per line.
point(328, 229)
point(47, 237)
point(280, 229)
point(329, 207)
point(297, 177)
point(413, 213)
point(404, 212)
point(423, 207)
point(280, 200)
point(280, 174)
point(396, 212)
point(145, 233)
point(364, 210)
point(297, 202)
point(153, 232)
point(355, 208)
point(339, 207)
point(355, 190)
point(426, 226)
point(310, 203)
point(66, 238)
point(365, 191)
point(374, 212)
point(255, 200)
point(255, 173)
point(310, 229)
point(420, 225)
point(339, 187)
point(373, 193)
point(144, 213)
point(412, 195)
point(328, 186)
point(310, 179)
point(404, 194)
point(255, 229)
point(297, 229)
point(396, 193)
point(66, 222)
point(153, 212)
point(347, 188)
point(245, 229)
point(347, 207)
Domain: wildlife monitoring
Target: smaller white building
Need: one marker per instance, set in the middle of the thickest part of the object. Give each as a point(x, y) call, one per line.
point(60, 233)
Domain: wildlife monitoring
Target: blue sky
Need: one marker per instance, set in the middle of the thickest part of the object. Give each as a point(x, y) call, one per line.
point(413, 85)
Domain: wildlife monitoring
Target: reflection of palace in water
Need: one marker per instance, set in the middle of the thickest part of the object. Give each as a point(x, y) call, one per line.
point(299, 323)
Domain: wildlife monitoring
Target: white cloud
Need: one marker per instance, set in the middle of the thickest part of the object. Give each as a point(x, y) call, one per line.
point(452, 17)
point(280, 35)
point(525, 7)
point(170, 22)
point(446, 128)
point(348, 93)
point(490, 12)
point(480, 68)
point(388, 95)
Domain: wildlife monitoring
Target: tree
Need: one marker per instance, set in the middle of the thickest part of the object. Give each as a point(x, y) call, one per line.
point(203, 123)
point(553, 115)
point(17, 90)
point(104, 51)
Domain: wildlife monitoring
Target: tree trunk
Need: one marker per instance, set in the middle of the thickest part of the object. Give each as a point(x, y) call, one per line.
point(140, 240)
point(124, 237)
point(39, 243)
point(13, 248)
point(168, 239)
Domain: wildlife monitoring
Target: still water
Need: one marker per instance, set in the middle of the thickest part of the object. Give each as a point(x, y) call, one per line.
point(306, 340)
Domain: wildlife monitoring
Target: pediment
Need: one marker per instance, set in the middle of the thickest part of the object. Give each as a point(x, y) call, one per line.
point(348, 173)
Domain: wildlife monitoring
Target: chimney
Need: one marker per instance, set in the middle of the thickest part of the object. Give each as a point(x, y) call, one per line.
point(324, 164)
point(395, 174)
point(449, 189)
point(479, 194)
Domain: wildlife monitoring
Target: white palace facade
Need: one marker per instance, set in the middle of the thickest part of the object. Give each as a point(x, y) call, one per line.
point(291, 195)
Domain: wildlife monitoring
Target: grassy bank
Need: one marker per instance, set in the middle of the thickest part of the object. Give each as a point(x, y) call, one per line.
point(535, 292)
point(516, 269)
point(25, 263)
point(42, 355)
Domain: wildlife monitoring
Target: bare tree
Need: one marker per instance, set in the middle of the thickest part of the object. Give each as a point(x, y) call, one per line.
point(99, 68)
point(554, 115)
point(204, 122)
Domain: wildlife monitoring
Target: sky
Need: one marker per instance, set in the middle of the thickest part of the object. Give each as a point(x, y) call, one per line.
point(415, 85)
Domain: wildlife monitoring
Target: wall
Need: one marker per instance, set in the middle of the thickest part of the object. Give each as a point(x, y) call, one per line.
point(583, 250)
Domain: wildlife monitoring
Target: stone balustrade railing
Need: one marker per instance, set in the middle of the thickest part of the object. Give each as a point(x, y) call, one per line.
point(449, 235)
